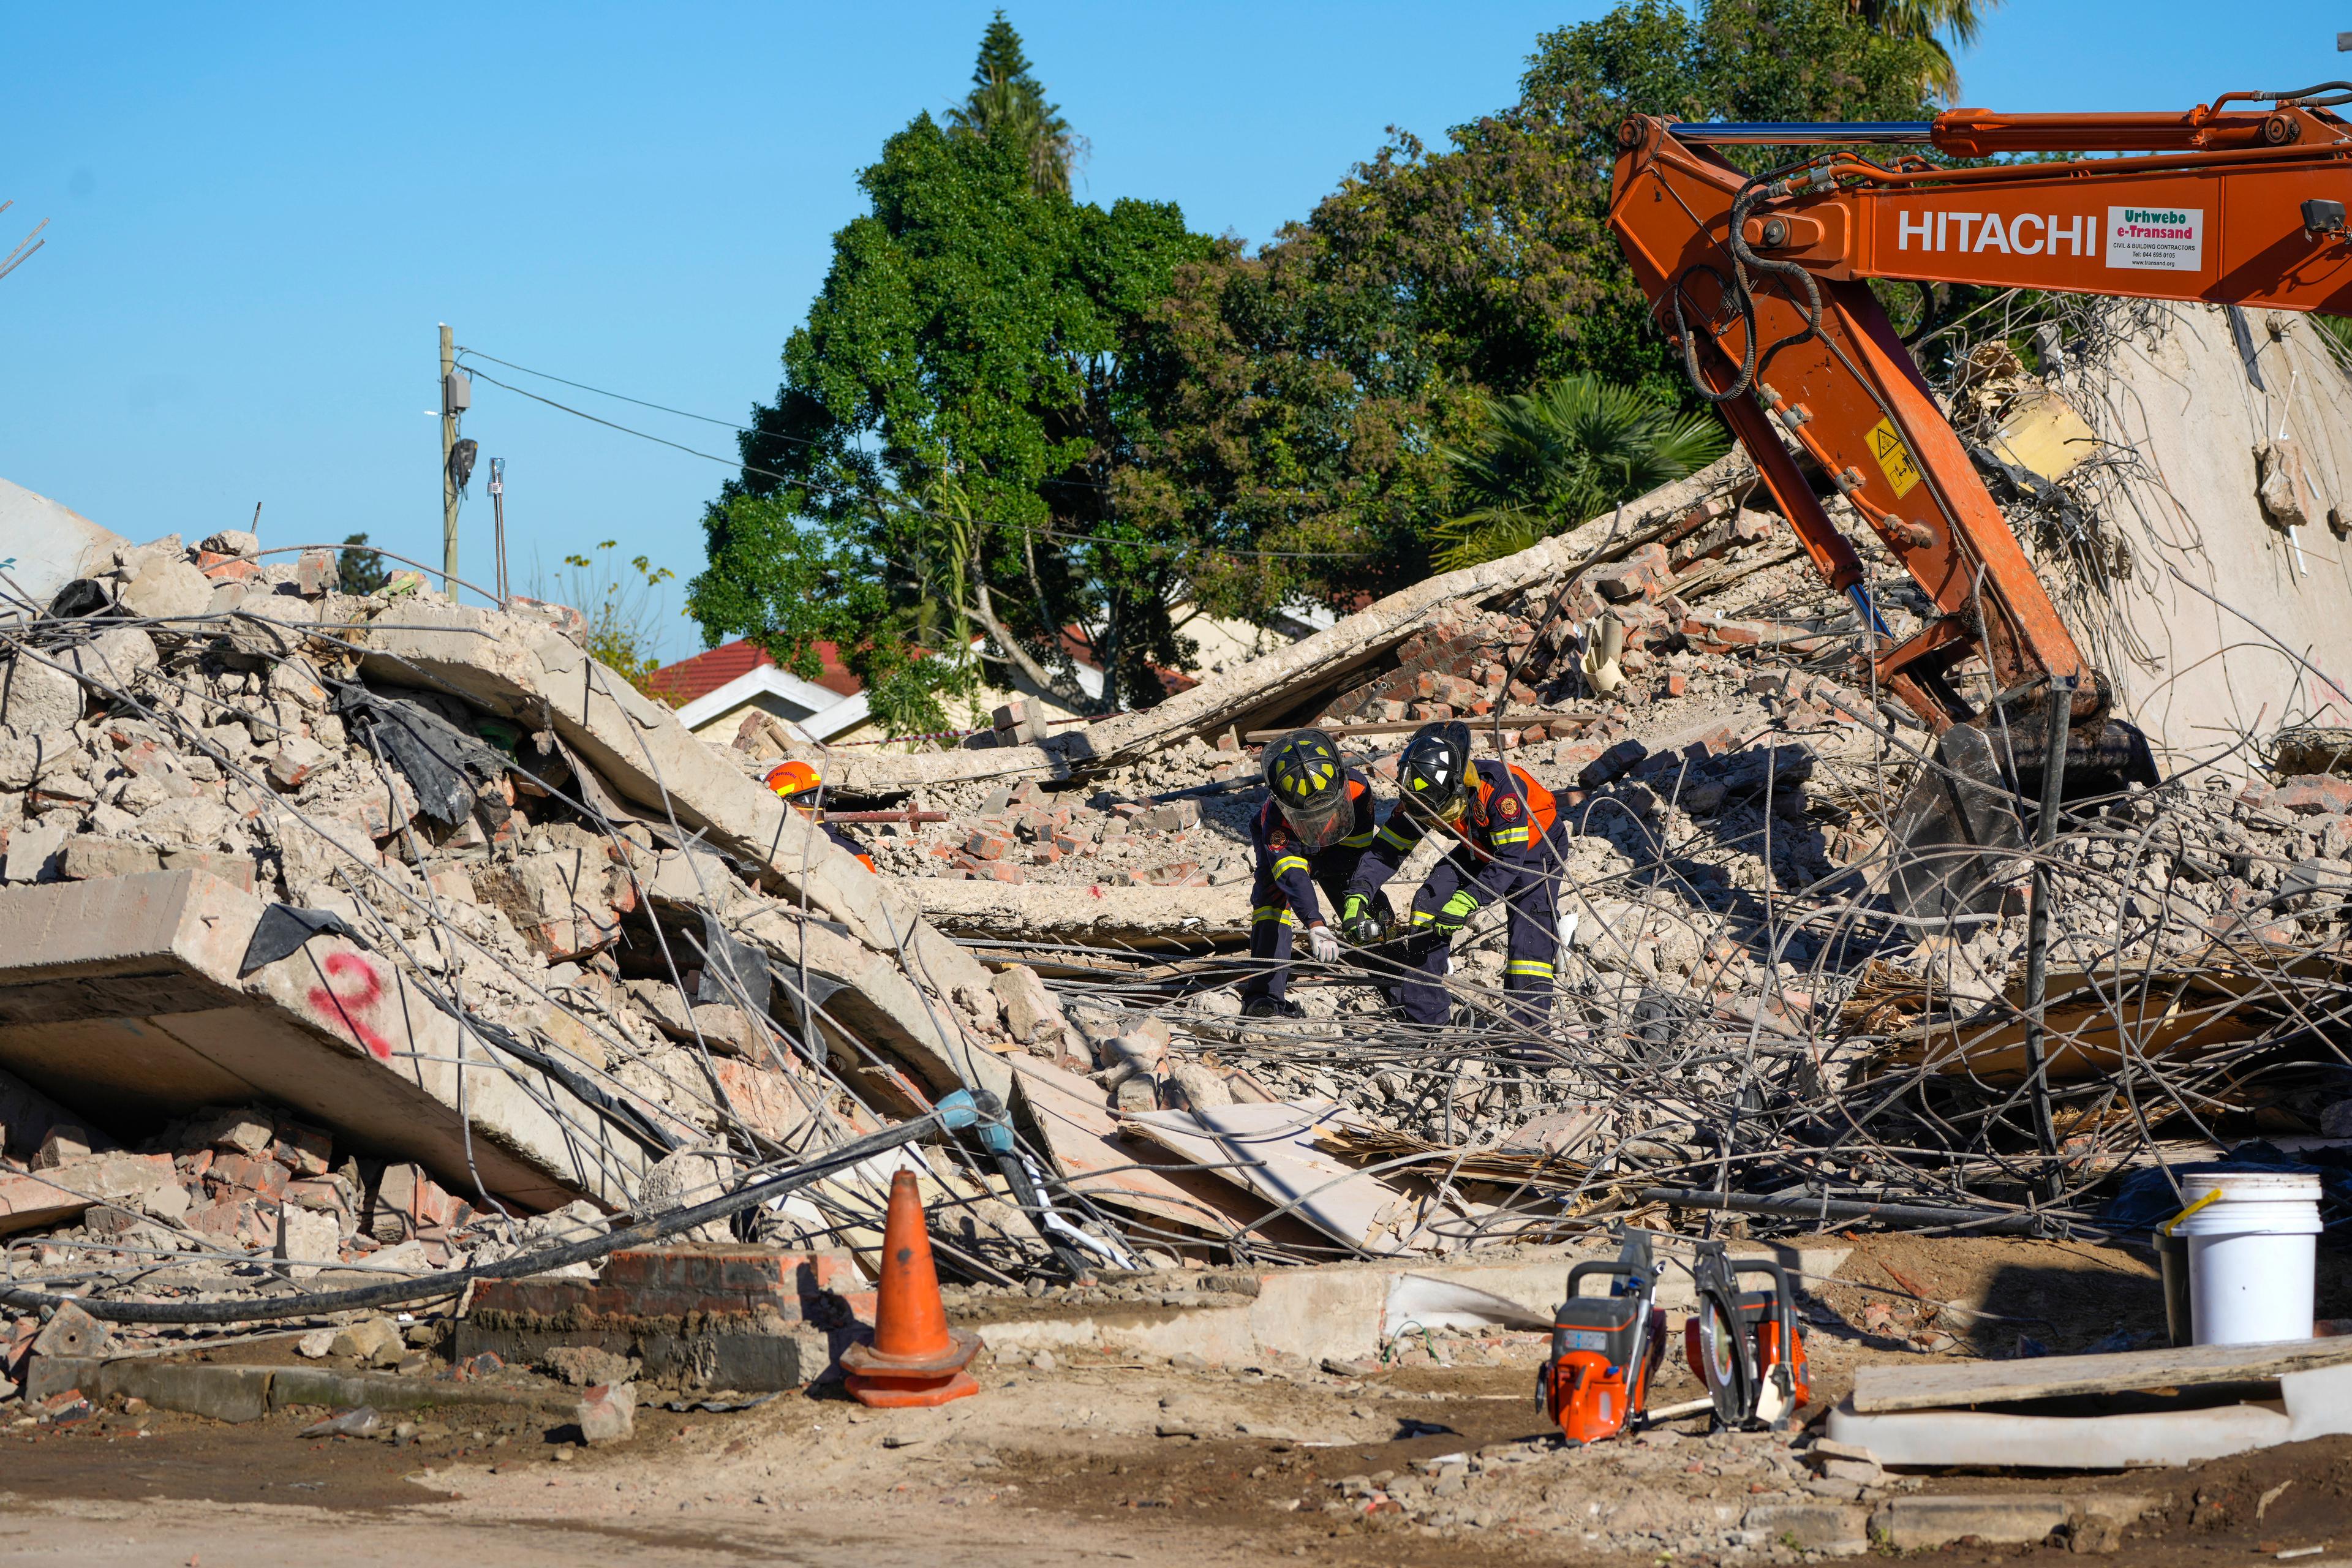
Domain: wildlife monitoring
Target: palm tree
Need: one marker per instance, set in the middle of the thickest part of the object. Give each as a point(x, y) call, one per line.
point(1008, 103)
point(1546, 459)
point(1930, 21)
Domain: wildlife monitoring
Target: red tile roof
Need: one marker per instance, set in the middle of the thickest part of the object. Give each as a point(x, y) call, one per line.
point(705, 673)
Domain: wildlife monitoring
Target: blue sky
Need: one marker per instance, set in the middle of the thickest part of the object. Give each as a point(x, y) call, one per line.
point(259, 213)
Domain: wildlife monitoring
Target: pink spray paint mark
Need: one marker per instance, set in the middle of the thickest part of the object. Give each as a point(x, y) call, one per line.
point(346, 1006)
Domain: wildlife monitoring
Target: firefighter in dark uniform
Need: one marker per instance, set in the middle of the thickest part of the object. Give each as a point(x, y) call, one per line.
point(802, 786)
point(1315, 826)
point(1501, 819)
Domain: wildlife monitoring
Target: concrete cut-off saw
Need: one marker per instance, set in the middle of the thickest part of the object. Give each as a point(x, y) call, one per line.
point(1744, 1347)
point(1606, 1349)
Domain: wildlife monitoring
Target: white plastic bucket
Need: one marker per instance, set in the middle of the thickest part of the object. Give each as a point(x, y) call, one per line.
point(2251, 1256)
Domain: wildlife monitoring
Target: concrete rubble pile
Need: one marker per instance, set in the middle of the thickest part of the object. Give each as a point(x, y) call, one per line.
point(327, 969)
point(365, 937)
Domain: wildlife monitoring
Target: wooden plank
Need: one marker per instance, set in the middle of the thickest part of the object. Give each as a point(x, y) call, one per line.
point(1917, 1385)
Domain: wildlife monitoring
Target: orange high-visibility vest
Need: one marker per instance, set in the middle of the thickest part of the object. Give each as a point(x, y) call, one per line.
point(1542, 810)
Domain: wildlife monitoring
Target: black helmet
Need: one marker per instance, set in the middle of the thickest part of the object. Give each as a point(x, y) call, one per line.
point(1309, 782)
point(1434, 775)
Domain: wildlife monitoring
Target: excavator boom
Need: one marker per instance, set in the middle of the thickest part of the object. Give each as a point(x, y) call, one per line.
point(1763, 284)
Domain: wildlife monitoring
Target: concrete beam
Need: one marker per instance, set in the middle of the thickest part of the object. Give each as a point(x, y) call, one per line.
point(1012, 914)
point(121, 998)
point(239, 1394)
point(1037, 911)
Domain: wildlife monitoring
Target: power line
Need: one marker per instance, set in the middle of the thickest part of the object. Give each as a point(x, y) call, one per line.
point(601, 391)
point(897, 503)
point(684, 414)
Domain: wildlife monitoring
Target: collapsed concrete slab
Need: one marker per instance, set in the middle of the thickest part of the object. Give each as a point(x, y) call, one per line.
point(49, 545)
point(542, 678)
point(1293, 683)
point(126, 1000)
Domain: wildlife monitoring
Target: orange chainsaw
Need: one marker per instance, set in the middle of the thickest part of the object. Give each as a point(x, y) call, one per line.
point(1744, 1347)
point(1605, 1348)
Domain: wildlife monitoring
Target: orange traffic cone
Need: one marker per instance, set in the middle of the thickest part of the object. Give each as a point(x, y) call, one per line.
point(916, 1361)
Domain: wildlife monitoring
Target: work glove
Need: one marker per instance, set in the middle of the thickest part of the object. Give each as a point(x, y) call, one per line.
point(1456, 912)
point(1362, 929)
point(1322, 944)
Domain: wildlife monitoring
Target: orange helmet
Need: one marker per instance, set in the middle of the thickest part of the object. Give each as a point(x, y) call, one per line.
point(789, 779)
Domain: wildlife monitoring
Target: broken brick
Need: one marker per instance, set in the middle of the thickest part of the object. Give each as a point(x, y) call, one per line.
point(2310, 794)
point(1611, 762)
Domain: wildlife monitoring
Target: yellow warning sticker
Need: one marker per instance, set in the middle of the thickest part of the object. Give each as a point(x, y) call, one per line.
point(1893, 457)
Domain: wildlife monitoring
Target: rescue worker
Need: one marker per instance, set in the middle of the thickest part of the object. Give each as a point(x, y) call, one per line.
point(1502, 819)
point(1316, 824)
point(802, 787)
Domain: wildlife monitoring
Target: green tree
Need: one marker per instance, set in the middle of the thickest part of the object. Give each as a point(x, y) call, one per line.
point(1315, 382)
point(1548, 459)
point(358, 570)
point(951, 446)
point(1008, 104)
point(1733, 60)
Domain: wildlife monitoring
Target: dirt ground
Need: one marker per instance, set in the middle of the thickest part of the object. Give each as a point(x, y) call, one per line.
point(1090, 1459)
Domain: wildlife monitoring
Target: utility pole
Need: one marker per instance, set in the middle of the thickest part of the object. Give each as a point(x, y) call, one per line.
point(449, 477)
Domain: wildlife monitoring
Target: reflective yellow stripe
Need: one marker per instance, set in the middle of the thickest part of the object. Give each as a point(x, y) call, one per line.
point(1360, 841)
point(1390, 835)
point(1422, 918)
point(1287, 861)
point(1509, 836)
point(1527, 966)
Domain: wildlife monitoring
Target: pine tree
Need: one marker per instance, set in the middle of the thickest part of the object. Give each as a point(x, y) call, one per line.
point(1002, 58)
point(1007, 103)
point(360, 570)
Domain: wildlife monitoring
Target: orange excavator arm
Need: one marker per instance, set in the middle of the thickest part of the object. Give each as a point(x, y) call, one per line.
point(1761, 284)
